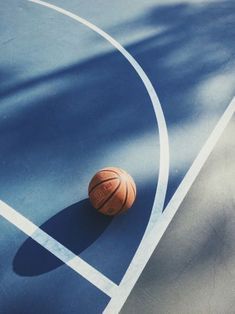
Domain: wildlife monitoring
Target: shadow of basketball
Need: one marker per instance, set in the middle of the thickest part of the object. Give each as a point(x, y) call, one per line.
point(76, 227)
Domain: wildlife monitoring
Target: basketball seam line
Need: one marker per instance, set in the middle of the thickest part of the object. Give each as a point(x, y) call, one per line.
point(124, 172)
point(110, 170)
point(120, 210)
point(106, 180)
point(130, 181)
point(134, 189)
point(111, 195)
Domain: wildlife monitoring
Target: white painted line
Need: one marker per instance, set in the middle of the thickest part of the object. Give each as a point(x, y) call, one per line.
point(162, 128)
point(152, 239)
point(66, 256)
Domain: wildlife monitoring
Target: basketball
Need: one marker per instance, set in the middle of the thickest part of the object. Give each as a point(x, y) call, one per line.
point(112, 191)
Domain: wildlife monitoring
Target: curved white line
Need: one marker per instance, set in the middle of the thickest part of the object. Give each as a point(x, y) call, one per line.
point(127, 285)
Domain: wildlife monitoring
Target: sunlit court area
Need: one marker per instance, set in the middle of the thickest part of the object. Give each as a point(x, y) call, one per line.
point(117, 160)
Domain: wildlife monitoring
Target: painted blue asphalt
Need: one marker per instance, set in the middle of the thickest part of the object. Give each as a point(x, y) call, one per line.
point(71, 104)
point(63, 118)
point(60, 291)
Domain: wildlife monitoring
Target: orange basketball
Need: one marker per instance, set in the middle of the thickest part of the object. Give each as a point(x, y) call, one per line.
point(112, 191)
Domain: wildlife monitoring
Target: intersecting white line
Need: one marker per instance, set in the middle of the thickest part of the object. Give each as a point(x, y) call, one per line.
point(152, 239)
point(163, 172)
point(120, 293)
point(57, 249)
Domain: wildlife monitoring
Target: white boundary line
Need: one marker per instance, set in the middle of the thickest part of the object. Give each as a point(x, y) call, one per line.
point(57, 249)
point(76, 263)
point(162, 128)
point(152, 239)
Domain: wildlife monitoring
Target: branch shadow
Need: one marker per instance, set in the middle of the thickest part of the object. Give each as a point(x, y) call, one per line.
point(104, 94)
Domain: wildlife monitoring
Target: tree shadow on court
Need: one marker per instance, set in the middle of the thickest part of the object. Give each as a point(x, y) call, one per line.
point(75, 227)
point(105, 103)
point(63, 125)
point(190, 61)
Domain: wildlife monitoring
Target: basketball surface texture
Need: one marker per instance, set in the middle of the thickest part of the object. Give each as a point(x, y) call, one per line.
point(112, 191)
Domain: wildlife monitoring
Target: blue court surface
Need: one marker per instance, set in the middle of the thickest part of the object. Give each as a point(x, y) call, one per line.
point(147, 86)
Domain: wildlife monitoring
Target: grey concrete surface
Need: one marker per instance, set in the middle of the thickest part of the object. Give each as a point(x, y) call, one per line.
point(192, 271)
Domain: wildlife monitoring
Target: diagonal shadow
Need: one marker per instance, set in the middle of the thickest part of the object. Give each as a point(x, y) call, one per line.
point(76, 227)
